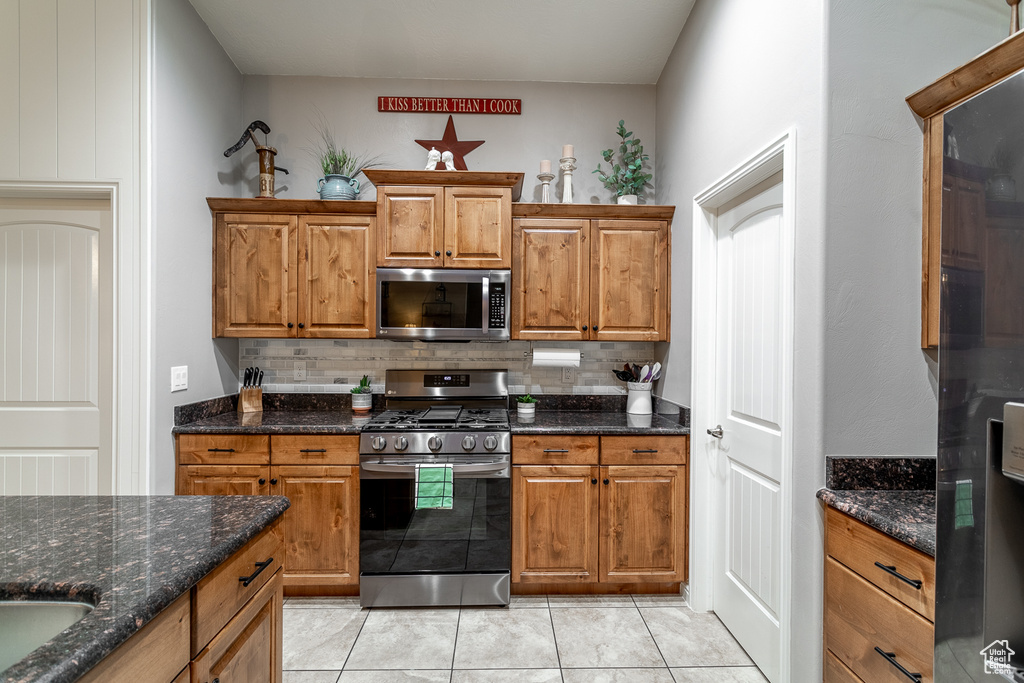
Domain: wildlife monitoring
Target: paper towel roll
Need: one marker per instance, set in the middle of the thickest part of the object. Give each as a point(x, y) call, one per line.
point(556, 358)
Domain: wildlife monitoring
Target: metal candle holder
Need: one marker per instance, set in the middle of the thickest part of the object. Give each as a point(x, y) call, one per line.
point(568, 165)
point(545, 180)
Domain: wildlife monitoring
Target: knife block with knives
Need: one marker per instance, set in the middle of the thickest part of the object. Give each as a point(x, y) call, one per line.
point(250, 396)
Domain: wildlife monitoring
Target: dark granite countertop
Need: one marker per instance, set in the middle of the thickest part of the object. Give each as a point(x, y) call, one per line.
point(907, 516)
point(597, 422)
point(131, 556)
point(278, 422)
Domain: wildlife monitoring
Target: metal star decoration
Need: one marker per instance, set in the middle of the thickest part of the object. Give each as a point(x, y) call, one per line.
point(449, 142)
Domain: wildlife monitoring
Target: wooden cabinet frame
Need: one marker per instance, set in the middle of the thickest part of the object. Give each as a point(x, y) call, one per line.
point(931, 103)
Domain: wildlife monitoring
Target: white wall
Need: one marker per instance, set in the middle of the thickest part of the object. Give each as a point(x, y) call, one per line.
point(742, 73)
point(553, 114)
point(880, 387)
point(73, 108)
point(197, 114)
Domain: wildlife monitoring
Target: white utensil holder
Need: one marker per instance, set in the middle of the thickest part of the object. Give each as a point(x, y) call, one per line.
point(638, 398)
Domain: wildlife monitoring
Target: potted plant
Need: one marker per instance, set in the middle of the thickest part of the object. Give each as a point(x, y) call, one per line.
point(626, 180)
point(1001, 186)
point(526, 406)
point(362, 396)
point(339, 166)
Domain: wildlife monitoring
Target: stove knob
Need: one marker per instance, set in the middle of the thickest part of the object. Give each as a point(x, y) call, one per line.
point(401, 443)
point(469, 443)
point(434, 443)
point(378, 443)
point(490, 443)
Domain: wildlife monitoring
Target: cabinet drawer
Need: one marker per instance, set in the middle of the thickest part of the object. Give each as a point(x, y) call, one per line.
point(644, 450)
point(859, 617)
point(837, 672)
point(860, 547)
point(220, 594)
point(554, 450)
point(248, 649)
point(299, 449)
point(223, 449)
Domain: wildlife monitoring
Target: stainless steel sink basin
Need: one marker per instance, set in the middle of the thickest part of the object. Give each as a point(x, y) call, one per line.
point(27, 624)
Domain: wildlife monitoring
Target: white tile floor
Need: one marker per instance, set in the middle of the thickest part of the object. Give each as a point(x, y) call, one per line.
point(556, 639)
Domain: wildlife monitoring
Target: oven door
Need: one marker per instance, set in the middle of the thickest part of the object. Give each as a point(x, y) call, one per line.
point(442, 304)
point(410, 557)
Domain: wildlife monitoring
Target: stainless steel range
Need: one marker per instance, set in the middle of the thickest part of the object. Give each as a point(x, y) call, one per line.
point(423, 545)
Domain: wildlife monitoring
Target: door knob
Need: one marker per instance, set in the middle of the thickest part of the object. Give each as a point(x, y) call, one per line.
point(717, 432)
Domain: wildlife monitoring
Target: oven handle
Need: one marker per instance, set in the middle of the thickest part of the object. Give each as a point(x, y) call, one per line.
point(499, 469)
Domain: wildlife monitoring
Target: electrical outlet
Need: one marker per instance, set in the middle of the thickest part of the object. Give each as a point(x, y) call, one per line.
point(568, 375)
point(300, 370)
point(179, 378)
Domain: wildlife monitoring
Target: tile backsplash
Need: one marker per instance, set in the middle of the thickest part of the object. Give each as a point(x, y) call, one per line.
point(335, 365)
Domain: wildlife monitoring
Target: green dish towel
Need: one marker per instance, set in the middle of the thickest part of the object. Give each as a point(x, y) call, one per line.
point(434, 487)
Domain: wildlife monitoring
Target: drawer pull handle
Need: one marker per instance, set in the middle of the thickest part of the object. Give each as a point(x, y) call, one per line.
point(556, 450)
point(220, 450)
point(313, 450)
point(645, 450)
point(260, 566)
point(892, 570)
point(891, 658)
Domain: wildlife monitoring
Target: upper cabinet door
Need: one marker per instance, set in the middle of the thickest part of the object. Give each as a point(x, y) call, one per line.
point(411, 226)
point(551, 279)
point(254, 276)
point(477, 227)
point(629, 280)
point(337, 272)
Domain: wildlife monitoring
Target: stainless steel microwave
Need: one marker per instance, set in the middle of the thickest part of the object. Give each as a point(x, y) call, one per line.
point(442, 304)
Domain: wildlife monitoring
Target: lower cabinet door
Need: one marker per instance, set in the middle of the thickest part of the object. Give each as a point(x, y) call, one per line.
point(321, 528)
point(223, 480)
point(643, 524)
point(248, 648)
point(554, 524)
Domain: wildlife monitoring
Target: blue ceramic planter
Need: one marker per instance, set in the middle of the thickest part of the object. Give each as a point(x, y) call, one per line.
point(337, 187)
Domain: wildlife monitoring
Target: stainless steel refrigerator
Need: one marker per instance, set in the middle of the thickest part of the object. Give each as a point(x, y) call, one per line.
point(979, 610)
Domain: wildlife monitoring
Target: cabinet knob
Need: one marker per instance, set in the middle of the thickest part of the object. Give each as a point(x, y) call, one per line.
point(593, 481)
point(262, 481)
point(605, 482)
point(290, 326)
point(595, 327)
point(273, 481)
point(584, 328)
point(448, 253)
point(437, 253)
point(302, 325)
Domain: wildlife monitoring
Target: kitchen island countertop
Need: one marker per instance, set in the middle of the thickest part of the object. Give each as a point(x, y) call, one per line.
point(131, 556)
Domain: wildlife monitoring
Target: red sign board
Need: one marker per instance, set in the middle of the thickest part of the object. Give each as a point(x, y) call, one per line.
point(449, 105)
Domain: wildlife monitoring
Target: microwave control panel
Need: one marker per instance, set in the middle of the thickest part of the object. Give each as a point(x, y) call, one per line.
point(497, 312)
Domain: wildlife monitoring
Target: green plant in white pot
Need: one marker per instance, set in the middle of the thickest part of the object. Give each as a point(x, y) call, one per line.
point(526, 406)
point(625, 178)
point(362, 396)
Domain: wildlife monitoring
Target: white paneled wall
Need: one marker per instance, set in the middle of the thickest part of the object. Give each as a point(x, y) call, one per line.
point(73, 122)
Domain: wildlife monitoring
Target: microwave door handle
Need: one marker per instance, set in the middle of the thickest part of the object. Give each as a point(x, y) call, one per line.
point(487, 303)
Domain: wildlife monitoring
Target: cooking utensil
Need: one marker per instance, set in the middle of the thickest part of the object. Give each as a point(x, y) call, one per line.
point(645, 373)
point(259, 377)
point(655, 372)
point(247, 378)
point(636, 372)
point(623, 375)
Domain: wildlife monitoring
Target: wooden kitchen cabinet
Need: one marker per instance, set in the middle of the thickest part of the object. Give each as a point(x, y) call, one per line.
point(601, 280)
point(280, 275)
point(579, 519)
point(444, 219)
point(867, 606)
point(963, 205)
point(320, 476)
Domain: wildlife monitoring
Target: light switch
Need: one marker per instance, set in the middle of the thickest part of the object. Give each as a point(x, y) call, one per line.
point(300, 370)
point(179, 378)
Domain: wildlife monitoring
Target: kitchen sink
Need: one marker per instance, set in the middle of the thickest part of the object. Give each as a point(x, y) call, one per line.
point(27, 624)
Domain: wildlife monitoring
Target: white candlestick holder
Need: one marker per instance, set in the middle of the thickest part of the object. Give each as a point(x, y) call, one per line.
point(545, 180)
point(568, 165)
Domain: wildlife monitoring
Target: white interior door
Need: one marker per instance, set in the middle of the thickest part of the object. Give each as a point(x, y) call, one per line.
point(747, 465)
point(56, 346)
